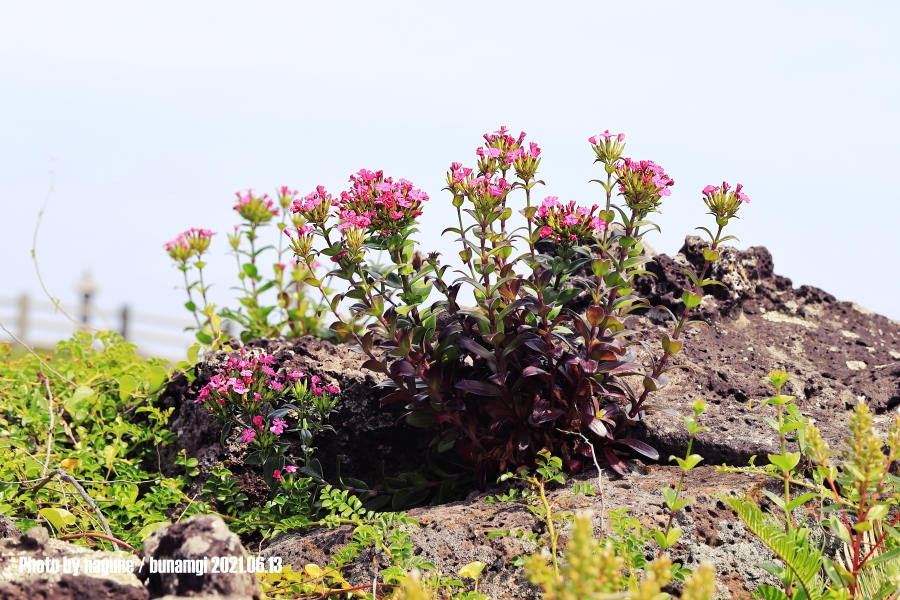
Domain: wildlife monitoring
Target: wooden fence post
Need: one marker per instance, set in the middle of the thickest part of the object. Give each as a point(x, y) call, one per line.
point(124, 328)
point(23, 317)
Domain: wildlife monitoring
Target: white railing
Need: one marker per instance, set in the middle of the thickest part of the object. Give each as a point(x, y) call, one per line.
point(38, 323)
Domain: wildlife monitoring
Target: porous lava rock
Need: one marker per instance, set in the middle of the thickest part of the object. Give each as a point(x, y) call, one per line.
point(8, 529)
point(838, 353)
point(455, 534)
point(20, 581)
point(199, 538)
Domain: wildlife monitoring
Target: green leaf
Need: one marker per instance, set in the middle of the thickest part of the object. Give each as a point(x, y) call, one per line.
point(786, 461)
point(400, 499)
point(801, 500)
point(689, 463)
point(669, 495)
point(691, 299)
point(127, 385)
point(877, 512)
point(157, 377)
point(192, 354)
point(148, 530)
point(81, 393)
point(883, 558)
point(420, 418)
point(668, 539)
point(472, 570)
point(767, 592)
point(60, 518)
point(250, 270)
point(839, 529)
point(418, 482)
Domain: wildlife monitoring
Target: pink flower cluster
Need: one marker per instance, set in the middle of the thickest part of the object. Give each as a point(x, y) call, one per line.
point(711, 190)
point(489, 187)
point(501, 150)
point(484, 190)
point(501, 136)
point(286, 196)
point(255, 209)
point(376, 203)
point(643, 182)
point(243, 382)
point(317, 389)
point(276, 474)
point(533, 151)
point(600, 138)
point(567, 223)
point(190, 242)
point(314, 207)
point(722, 201)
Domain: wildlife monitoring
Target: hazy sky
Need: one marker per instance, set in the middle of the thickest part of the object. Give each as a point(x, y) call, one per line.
point(156, 113)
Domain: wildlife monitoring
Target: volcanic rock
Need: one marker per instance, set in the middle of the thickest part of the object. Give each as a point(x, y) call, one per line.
point(837, 352)
point(201, 537)
point(28, 581)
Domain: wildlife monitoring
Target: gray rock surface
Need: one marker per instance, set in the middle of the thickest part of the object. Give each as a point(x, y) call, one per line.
point(838, 353)
point(31, 581)
point(8, 529)
point(197, 538)
point(455, 534)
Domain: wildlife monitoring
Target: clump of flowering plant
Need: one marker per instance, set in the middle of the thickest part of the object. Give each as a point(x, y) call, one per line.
point(248, 395)
point(193, 244)
point(507, 378)
point(271, 305)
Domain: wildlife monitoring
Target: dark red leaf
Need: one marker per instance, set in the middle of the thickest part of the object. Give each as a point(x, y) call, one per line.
point(401, 367)
point(614, 367)
point(597, 427)
point(531, 371)
point(645, 449)
point(482, 388)
point(401, 395)
point(476, 348)
point(615, 462)
point(374, 365)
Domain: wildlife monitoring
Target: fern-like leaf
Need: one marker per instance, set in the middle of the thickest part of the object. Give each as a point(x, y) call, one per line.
point(802, 562)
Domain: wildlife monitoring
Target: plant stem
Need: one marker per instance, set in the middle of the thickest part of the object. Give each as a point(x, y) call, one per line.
point(187, 286)
point(550, 528)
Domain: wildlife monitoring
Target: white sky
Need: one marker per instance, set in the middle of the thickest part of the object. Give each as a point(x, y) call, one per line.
point(157, 113)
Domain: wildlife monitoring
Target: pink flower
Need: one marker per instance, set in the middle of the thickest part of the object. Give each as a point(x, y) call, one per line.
point(278, 426)
point(296, 375)
point(570, 220)
point(276, 474)
point(332, 389)
point(546, 231)
point(258, 421)
point(290, 468)
point(247, 435)
point(276, 385)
